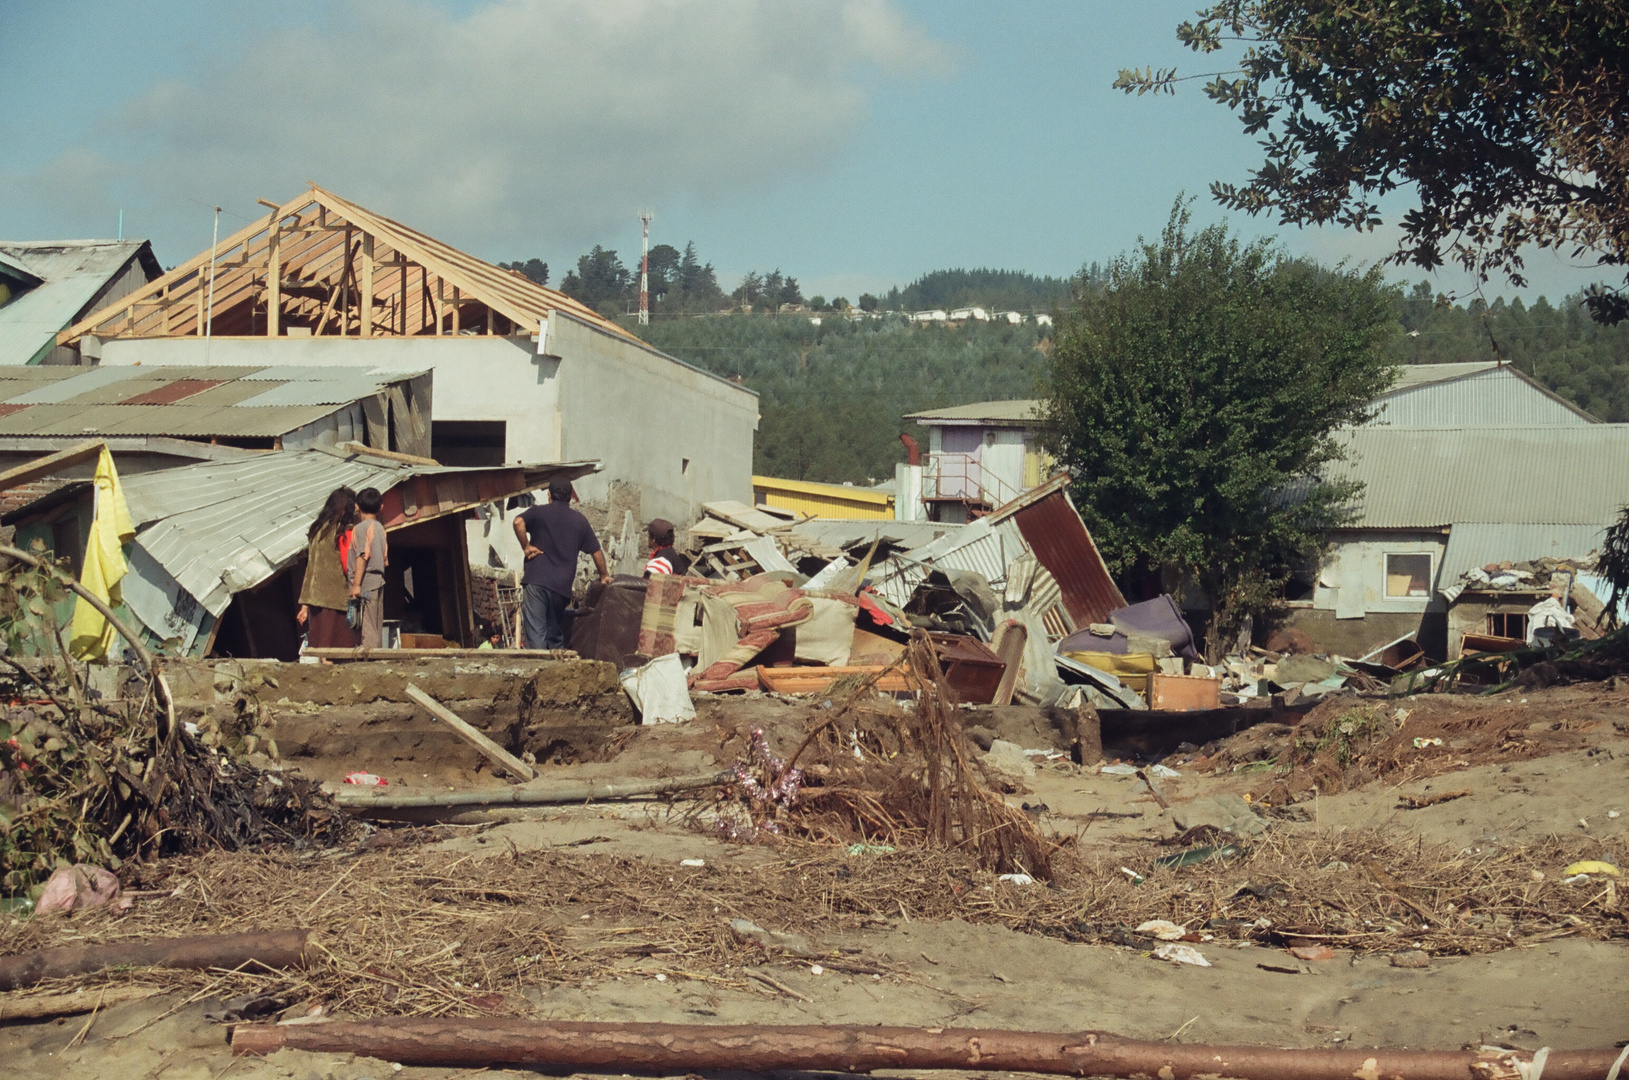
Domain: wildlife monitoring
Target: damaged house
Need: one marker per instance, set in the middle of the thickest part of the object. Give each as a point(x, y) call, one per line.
point(49, 285)
point(1439, 502)
point(219, 546)
point(522, 372)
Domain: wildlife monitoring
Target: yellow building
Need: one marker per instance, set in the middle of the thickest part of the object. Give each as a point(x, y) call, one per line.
point(822, 500)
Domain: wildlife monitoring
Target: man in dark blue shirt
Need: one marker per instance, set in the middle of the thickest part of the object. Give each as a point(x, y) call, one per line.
point(552, 536)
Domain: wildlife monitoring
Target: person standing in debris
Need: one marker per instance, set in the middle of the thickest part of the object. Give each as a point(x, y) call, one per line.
point(324, 593)
point(663, 558)
point(370, 554)
point(552, 536)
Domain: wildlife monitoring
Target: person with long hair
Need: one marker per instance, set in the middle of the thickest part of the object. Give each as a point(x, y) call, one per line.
point(325, 592)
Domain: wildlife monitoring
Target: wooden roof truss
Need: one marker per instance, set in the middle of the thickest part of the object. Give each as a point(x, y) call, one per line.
point(323, 267)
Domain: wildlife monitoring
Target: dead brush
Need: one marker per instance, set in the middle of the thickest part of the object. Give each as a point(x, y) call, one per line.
point(880, 772)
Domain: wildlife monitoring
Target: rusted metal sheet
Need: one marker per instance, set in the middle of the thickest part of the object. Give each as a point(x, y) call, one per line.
point(1053, 530)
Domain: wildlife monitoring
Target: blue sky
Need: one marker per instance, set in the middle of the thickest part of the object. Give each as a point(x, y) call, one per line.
point(854, 145)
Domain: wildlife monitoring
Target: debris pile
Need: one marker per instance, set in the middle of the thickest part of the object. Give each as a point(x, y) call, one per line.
point(873, 772)
point(102, 776)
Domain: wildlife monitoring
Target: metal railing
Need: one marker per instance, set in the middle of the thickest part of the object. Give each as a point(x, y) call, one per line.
point(962, 478)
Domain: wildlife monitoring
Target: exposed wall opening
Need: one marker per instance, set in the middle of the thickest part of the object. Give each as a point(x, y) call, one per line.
point(468, 442)
point(1508, 624)
point(684, 466)
point(1408, 577)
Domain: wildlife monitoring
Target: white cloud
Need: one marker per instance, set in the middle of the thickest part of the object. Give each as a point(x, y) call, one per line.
point(525, 124)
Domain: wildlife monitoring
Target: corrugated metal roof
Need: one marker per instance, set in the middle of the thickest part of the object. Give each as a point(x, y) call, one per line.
point(248, 402)
point(1436, 477)
point(1016, 411)
point(846, 532)
point(71, 273)
point(1480, 543)
point(1053, 529)
point(219, 527)
point(1479, 395)
point(1411, 375)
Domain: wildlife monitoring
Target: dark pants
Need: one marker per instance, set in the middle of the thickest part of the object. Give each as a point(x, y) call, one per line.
point(543, 618)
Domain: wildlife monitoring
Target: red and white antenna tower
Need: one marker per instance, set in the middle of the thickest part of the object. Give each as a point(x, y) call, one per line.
point(644, 269)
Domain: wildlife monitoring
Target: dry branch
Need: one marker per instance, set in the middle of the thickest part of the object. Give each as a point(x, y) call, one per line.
point(274, 949)
point(678, 1048)
point(572, 792)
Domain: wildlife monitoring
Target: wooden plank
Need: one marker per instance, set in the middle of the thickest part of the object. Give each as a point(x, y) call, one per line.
point(274, 281)
point(511, 764)
point(45, 466)
point(463, 654)
point(365, 301)
point(815, 680)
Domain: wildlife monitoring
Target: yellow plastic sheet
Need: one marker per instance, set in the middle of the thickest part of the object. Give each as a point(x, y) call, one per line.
point(90, 635)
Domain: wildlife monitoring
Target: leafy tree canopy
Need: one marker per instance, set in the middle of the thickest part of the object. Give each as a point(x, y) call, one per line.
point(535, 269)
point(999, 289)
point(1506, 118)
point(1200, 386)
point(599, 277)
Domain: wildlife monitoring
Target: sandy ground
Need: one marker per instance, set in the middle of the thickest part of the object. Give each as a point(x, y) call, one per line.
point(1562, 993)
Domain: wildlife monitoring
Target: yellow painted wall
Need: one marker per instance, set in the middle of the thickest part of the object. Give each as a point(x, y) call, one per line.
point(822, 500)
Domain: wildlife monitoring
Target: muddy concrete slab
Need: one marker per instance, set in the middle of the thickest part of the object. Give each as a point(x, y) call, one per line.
point(550, 682)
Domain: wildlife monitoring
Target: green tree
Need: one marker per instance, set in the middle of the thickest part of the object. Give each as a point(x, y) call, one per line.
point(1505, 118)
point(535, 269)
point(868, 302)
point(664, 271)
point(600, 279)
point(1195, 398)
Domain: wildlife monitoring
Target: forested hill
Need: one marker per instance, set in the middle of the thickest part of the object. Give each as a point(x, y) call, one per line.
point(831, 396)
point(997, 290)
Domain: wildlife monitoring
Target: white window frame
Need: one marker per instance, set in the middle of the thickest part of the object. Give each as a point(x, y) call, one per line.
point(1385, 574)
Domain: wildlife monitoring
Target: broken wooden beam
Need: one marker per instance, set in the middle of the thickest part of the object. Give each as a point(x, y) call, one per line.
point(467, 731)
point(422, 654)
point(266, 949)
point(45, 1006)
point(474, 1042)
point(361, 801)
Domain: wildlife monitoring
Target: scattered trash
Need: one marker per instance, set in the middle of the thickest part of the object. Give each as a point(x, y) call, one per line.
point(1591, 866)
point(1017, 879)
point(1118, 770)
point(1576, 879)
point(1422, 743)
point(1195, 855)
point(660, 977)
point(658, 691)
point(816, 969)
point(1163, 929)
point(1010, 759)
point(870, 849)
point(366, 779)
point(1180, 954)
point(77, 887)
point(1229, 813)
point(1613, 815)
point(692, 862)
point(1413, 958)
point(796, 944)
point(1420, 802)
point(1136, 878)
point(1312, 953)
point(1279, 969)
point(1163, 772)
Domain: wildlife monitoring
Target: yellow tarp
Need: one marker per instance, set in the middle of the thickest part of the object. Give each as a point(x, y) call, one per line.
point(90, 635)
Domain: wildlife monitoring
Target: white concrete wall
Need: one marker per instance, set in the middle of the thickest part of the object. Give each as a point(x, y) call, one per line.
point(1003, 461)
point(645, 415)
point(1352, 578)
point(476, 378)
point(640, 413)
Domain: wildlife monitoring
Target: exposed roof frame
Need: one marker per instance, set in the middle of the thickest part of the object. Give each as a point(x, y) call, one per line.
point(312, 248)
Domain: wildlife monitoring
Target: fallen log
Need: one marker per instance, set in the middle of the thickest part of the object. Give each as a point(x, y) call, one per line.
point(44, 1006)
point(466, 731)
point(272, 949)
point(526, 795)
point(671, 1048)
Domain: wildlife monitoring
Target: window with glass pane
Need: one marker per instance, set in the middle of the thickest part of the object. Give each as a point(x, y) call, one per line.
point(1408, 576)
